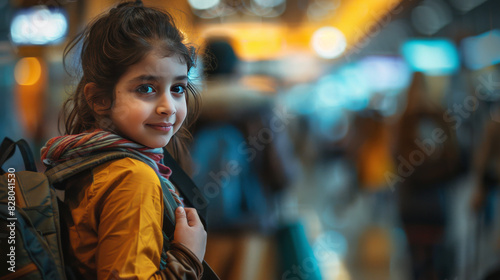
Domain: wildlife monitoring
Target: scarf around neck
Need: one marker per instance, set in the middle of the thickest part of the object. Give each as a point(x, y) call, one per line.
point(62, 148)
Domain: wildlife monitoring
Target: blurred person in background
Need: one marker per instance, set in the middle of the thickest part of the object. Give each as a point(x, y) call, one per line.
point(426, 155)
point(484, 201)
point(244, 159)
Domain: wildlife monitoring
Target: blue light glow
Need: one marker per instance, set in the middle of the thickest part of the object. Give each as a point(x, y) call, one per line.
point(39, 26)
point(300, 99)
point(203, 4)
point(385, 73)
point(329, 243)
point(431, 56)
point(329, 93)
point(482, 50)
point(355, 87)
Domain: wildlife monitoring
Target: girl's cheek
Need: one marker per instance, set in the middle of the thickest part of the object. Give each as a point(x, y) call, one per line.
point(123, 108)
point(122, 112)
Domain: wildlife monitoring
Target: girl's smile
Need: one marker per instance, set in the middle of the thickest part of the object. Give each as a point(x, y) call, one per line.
point(161, 126)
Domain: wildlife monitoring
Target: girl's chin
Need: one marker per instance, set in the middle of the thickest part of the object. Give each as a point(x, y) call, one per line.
point(156, 144)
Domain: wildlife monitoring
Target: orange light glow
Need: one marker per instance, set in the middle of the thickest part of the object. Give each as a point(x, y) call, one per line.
point(260, 83)
point(31, 76)
point(28, 71)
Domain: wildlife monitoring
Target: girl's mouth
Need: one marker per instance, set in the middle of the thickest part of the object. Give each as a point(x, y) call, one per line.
point(160, 126)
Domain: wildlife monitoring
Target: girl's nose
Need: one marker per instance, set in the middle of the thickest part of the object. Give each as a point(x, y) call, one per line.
point(166, 105)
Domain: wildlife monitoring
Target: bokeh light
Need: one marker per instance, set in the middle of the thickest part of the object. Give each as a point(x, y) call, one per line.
point(38, 26)
point(269, 3)
point(328, 42)
point(431, 56)
point(482, 50)
point(203, 4)
point(27, 71)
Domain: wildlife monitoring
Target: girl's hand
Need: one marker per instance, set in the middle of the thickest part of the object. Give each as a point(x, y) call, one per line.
point(189, 231)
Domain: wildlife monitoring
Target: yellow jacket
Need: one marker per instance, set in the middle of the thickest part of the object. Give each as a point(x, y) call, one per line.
point(114, 224)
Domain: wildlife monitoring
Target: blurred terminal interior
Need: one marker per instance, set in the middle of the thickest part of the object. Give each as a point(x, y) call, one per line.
point(363, 131)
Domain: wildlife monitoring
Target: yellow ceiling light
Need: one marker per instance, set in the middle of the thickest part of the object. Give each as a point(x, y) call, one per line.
point(27, 71)
point(328, 42)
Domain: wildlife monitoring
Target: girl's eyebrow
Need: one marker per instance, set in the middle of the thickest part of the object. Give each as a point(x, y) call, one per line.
point(151, 78)
point(142, 78)
point(180, 78)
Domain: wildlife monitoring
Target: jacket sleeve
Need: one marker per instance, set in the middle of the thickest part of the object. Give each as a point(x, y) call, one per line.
point(181, 261)
point(130, 216)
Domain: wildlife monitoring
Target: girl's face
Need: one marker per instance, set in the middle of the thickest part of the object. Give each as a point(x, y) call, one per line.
point(150, 100)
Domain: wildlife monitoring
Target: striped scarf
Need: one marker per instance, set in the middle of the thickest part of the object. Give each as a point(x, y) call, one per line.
point(60, 149)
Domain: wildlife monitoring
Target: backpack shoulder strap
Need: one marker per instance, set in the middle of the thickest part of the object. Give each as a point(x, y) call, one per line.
point(194, 197)
point(74, 166)
point(169, 212)
point(188, 189)
point(7, 149)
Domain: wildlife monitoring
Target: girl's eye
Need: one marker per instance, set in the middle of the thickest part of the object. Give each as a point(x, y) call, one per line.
point(179, 89)
point(145, 89)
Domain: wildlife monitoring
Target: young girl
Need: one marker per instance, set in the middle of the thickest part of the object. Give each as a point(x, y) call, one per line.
point(132, 96)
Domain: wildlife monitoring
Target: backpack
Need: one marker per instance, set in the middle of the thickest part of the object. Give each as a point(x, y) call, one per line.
point(29, 213)
point(29, 221)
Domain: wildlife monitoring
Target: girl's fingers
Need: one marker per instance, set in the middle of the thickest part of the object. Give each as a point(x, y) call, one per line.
point(192, 216)
point(180, 215)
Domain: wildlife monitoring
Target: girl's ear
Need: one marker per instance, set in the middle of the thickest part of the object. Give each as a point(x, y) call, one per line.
point(98, 104)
